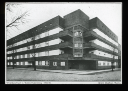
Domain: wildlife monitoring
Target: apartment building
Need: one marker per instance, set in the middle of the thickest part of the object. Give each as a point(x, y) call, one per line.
point(71, 42)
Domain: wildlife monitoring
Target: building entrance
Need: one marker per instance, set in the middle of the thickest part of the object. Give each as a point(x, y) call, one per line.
point(82, 64)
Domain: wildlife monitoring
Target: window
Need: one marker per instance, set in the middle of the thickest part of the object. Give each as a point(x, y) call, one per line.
point(26, 63)
point(77, 50)
point(36, 62)
point(46, 53)
point(99, 64)
point(78, 55)
point(31, 55)
point(78, 33)
point(78, 45)
point(43, 62)
point(37, 37)
point(47, 63)
point(15, 57)
point(46, 43)
point(21, 63)
point(11, 57)
point(54, 63)
point(21, 56)
point(8, 63)
point(46, 34)
point(11, 63)
point(36, 54)
point(42, 35)
point(54, 41)
point(25, 55)
point(29, 63)
point(40, 62)
point(62, 52)
point(104, 63)
point(28, 55)
point(116, 50)
point(62, 63)
point(108, 63)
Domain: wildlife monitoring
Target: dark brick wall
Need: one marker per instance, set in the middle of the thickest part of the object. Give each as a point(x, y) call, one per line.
point(76, 17)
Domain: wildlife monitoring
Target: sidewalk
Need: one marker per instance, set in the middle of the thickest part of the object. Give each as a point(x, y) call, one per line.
point(79, 72)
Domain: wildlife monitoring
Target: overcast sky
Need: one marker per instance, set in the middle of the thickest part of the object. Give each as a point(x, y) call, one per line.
point(109, 13)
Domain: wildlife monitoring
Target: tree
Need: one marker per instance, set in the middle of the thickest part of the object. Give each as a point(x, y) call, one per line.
point(16, 20)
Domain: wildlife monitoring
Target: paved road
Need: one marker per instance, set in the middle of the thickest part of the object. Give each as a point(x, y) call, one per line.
point(30, 75)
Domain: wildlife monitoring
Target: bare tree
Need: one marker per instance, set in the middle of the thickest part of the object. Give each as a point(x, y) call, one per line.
point(16, 20)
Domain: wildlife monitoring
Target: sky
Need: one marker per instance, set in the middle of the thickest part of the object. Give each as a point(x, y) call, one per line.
point(109, 13)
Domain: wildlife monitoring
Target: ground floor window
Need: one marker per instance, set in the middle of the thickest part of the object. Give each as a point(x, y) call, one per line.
point(26, 63)
point(54, 63)
point(11, 63)
point(99, 64)
point(47, 63)
point(17, 63)
point(43, 62)
point(104, 63)
point(21, 63)
point(36, 62)
point(29, 63)
point(40, 62)
point(62, 63)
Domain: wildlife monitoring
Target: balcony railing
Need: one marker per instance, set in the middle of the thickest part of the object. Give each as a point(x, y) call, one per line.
point(92, 33)
point(41, 49)
point(96, 57)
point(97, 47)
point(52, 57)
point(44, 39)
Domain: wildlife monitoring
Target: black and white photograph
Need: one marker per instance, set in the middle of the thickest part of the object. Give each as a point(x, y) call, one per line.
point(63, 43)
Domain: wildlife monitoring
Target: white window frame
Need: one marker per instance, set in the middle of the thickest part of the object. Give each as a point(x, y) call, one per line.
point(47, 63)
point(36, 62)
point(42, 62)
point(62, 63)
point(54, 63)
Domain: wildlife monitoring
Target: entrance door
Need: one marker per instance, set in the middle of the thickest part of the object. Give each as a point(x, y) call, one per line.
point(74, 65)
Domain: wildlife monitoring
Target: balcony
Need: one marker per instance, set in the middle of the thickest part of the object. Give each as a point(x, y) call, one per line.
point(96, 57)
point(94, 46)
point(47, 48)
point(53, 57)
point(91, 35)
point(65, 35)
